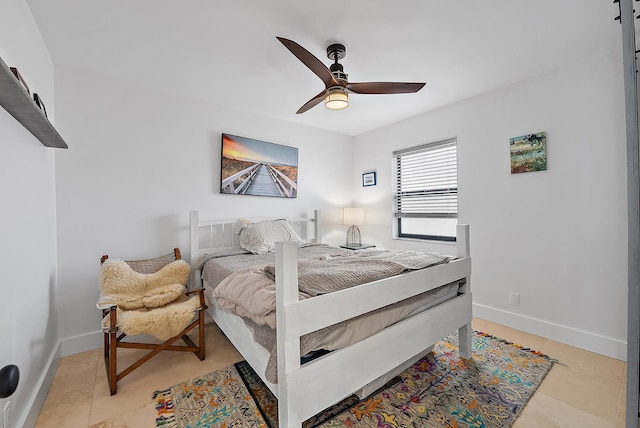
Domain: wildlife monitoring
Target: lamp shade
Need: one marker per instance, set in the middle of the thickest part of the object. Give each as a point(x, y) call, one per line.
point(336, 99)
point(354, 216)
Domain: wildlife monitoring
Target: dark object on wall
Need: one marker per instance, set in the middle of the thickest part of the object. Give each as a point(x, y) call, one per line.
point(39, 103)
point(9, 377)
point(20, 79)
point(254, 167)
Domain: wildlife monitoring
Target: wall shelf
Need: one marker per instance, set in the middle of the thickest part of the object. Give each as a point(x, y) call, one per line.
point(15, 99)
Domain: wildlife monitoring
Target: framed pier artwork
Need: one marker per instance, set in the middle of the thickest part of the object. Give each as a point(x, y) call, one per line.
point(258, 168)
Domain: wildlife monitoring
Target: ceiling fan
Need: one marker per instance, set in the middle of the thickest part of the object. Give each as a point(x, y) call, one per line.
point(337, 87)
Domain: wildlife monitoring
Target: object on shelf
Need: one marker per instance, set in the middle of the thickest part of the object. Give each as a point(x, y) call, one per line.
point(39, 103)
point(20, 79)
point(19, 104)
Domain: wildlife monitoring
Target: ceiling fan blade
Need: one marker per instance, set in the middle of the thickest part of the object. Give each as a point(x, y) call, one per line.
point(312, 102)
point(313, 63)
point(384, 87)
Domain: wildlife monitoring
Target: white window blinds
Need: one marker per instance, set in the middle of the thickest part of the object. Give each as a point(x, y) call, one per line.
point(427, 181)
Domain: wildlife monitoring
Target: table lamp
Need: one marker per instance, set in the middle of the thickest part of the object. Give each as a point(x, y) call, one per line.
point(353, 217)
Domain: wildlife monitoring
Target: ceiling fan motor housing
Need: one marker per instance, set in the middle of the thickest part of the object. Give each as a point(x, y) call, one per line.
point(340, 76)
point(336, 52)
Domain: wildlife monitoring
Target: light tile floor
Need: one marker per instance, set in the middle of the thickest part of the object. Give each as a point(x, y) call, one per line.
point(586, 390)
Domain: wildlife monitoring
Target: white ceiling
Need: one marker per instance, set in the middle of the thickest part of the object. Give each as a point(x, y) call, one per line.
point(226, 52)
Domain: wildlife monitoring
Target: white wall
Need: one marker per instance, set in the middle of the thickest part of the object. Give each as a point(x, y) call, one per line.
point(28, 312)
point(558, 238)
point(138, 162)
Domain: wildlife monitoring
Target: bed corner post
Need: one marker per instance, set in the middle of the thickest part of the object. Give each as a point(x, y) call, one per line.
point(317, 226)
point(287, 343)
point(465, 339)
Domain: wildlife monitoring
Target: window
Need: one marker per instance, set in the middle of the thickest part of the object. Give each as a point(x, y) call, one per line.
point(426, 194)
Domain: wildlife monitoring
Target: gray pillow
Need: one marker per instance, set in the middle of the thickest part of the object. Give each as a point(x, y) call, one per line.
point(261, 237)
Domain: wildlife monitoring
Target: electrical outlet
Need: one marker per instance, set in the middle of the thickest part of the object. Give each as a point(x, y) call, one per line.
point(514, 299)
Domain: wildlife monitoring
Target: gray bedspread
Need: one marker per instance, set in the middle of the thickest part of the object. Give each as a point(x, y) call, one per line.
point(328, 274)
point(229, 262)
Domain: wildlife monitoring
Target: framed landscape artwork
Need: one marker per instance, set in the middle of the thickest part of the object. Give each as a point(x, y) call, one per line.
point(258, 168)
point(528, 153)
point(369, 179)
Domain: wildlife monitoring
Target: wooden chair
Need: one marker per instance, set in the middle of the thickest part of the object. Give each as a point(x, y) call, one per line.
point(114, 338)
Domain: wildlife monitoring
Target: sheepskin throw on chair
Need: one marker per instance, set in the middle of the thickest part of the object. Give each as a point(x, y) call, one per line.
point(153, 303)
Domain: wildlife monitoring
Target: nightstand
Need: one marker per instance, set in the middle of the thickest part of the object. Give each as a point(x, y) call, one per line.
point(357, 247)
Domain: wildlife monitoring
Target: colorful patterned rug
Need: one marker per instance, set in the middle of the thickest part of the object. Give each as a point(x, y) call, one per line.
point(440, 390)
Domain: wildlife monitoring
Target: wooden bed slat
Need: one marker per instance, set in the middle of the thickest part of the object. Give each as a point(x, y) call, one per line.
point(344, 371)
point(311, 314)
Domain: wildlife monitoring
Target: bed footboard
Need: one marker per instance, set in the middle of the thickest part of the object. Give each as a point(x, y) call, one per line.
point(306, 390)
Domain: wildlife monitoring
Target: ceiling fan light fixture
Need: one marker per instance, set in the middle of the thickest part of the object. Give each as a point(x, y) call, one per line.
point(337, 98)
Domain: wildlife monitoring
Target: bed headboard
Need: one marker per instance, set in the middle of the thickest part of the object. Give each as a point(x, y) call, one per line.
point(221, 235)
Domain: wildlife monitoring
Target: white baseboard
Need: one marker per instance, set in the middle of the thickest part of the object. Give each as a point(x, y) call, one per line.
point(609, 346)
point(81, 343)
point(63, 348)
point(39, 395)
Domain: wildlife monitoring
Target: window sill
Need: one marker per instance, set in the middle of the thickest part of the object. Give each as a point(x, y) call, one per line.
point(429, 241)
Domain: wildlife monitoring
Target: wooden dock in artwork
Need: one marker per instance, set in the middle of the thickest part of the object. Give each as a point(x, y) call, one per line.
point(260, 179)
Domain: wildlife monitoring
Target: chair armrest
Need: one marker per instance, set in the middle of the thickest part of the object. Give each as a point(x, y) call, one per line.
point(200, 292)
point(106, 311)
point(113, 317)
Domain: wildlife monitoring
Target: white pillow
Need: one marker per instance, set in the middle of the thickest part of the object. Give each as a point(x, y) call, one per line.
point(261, 237)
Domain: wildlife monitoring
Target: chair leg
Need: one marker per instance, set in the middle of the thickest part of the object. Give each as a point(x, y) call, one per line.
point(201, 344)
point(106, 346)
point(107, 351)
point(201, 353)
point(199, 349)
point(112, 369)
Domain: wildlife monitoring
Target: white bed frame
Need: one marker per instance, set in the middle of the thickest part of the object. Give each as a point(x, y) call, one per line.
point(304, 390)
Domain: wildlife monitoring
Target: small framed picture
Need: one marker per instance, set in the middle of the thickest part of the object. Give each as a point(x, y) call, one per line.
point(39, 103)
point(369, 179)
point(20, 79)
point(528, 153)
